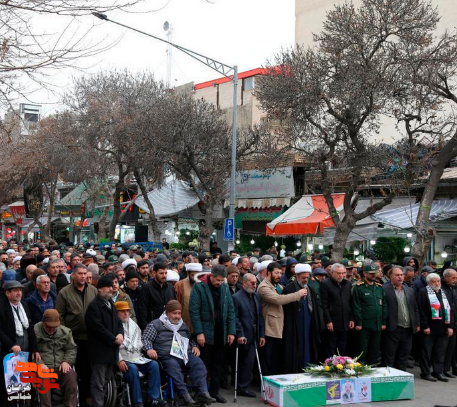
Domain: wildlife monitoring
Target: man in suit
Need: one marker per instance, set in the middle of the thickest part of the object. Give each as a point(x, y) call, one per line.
point(105, 334)
point(250, 330)
point(336, 305)
point(403, 321)
point(16, 331)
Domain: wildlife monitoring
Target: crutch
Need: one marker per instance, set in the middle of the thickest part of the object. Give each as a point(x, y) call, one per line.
point(261, 377)
point(236, 373)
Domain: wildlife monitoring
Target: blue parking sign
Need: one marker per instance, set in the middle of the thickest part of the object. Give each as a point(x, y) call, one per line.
point(229, 229)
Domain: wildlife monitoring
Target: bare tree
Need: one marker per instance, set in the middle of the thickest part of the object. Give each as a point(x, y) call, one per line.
point(334, 95)
point(120, 113)
point(31, 56)
point(427, 111)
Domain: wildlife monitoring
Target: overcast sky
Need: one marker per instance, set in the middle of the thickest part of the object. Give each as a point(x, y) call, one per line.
point(242, 32)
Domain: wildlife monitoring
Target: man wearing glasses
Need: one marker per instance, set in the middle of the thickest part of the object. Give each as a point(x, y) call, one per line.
point(250, 330)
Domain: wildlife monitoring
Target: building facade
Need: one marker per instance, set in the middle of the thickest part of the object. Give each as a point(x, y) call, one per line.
point(309, 15)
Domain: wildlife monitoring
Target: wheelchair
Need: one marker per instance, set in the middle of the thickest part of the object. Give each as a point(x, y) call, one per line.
point(56, 397)
point(118, 390)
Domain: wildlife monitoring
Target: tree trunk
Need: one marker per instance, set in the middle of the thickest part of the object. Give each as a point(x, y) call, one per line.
point(153, 229)
point(206, 229)
point(425, 232)
point(116, 209)
point(339, 242)
point(47, 227)
point(102, 223)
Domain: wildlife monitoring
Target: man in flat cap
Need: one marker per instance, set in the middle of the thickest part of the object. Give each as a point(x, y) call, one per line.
point(168, 339)
point(105, 334)
point(16, 331)
point(130, 354)
point(58, 351)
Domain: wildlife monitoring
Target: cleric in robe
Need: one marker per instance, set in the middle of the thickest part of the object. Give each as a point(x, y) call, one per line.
point(303, 324)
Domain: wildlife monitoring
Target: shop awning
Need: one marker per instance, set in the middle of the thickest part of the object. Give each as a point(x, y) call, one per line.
point(405, 217)
point(172, 198)
point(367, 228)
point(259, 203)
point(309, 216)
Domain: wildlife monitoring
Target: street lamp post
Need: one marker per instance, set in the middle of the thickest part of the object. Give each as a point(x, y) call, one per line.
point(222, 69)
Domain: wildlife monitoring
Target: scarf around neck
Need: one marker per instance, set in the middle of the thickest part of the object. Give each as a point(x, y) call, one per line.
point(21, 321)
point(435, 305)
point(180, 345)
point(132, 336)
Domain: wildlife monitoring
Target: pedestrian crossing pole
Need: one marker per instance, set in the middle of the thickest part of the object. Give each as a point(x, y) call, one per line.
point(230, 72)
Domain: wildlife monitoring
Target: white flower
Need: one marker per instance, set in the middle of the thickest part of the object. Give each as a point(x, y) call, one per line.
point(350, 372)
point(318, 368)
point(349, 361)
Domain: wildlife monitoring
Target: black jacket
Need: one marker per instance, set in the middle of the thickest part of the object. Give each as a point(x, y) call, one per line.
point(392, 306)
point(134, 296)
point(437, 326)
point(238, 287)
point(292, 359)
point(8, 328)
point(245, 319)
point(152, 301)
point(336, 303)
point(103, 325)
point(451, 295)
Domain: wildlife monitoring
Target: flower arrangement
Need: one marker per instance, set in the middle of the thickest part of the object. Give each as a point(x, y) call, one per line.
point(342, 366)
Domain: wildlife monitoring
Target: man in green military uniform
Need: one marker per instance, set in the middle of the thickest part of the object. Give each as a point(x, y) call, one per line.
point(370, 313)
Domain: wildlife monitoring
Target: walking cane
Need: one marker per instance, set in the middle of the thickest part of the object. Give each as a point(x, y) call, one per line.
point(236, 372)
point(261, 376)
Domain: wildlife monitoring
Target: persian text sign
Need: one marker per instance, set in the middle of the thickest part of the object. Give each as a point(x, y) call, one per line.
point(21, 376)
point(275, 183)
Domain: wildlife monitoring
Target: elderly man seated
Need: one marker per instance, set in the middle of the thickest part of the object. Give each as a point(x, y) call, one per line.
point(131, 361)
point(58, 351)
point(168, 339)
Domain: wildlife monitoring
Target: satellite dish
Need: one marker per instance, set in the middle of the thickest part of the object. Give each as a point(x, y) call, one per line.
point(166, 26)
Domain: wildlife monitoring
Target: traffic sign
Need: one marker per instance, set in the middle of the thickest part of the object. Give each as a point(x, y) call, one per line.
point(229, 229)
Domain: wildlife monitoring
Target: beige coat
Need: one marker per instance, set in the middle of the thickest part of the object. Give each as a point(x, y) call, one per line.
point(183, 289)
point(272, 310)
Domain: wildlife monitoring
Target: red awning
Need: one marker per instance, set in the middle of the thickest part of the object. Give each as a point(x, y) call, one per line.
point(309, 216)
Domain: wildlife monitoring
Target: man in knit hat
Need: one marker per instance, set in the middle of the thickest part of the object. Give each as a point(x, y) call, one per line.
point(132, 287)
point(168, 339)
point(105, 334)
point(130, 355)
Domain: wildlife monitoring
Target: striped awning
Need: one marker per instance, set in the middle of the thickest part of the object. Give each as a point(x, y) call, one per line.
point(309, 216)
point(405, 217)
point(259, 203)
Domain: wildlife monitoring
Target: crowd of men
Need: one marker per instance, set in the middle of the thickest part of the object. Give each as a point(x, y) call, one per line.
point(88, 311)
